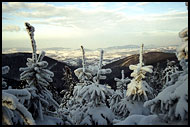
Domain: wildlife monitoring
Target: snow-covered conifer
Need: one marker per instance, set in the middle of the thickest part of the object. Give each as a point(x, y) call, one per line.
point(68, 85)
point(5, 70)
point(137, 89)
point(172, 102)
point(119, 93)
point(91, 109)
point(13, 110)
point(38, 78)
point(97, 112)
point(83, 74)
point(72, 107)
point(155, 79)
point(168, 73)
point(121, 83)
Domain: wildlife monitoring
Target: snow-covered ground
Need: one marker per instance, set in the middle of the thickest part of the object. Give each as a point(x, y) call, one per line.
point(73, 56)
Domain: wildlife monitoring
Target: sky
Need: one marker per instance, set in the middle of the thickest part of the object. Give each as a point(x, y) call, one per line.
point(93, 24)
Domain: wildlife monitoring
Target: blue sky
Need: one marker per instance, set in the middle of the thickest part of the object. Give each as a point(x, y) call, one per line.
point(93, 24)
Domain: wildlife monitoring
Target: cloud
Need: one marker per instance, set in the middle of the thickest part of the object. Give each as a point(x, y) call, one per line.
point(142, 3)
point(16, 6)
point(11, 28)
point(97, 4)
point(5, 18)
point(96, 20)
point(96, 23)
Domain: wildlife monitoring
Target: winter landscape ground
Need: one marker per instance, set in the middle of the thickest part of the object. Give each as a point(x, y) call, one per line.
point(120, 85)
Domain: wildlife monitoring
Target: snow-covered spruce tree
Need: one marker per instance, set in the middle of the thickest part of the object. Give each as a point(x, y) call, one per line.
point(84, 76)
point(91, 108)
point(94, 94)
point(121, 83)
point(68, 85)
point(119, 93)
point(13, 110)
point(172, 102)
point(137, 90)
point(5, 70)
point(73, 108)
point(155, 80)
point(170, 69)
point(38, 78)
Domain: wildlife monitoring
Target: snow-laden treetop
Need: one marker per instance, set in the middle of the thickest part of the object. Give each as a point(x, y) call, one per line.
point(101, 71)
point(182, 51)
point(30, 29)
point(137, 87)
point(122, 81)
point(5, 70)
point(139, 69)
point(35, 72)
point(83, 74)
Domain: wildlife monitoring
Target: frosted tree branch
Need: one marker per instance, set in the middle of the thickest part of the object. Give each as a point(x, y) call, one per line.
point(83, 58)
point(30, 29)
point(141, 55)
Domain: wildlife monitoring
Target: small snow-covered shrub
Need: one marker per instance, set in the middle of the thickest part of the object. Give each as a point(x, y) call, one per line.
point(5, 70)
point(13, 111)
point(119, 94)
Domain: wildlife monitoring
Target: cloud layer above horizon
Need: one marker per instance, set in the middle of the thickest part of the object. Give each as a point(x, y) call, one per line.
point(93, 24)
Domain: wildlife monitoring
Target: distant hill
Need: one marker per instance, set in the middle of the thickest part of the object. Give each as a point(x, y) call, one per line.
point(150, 58)
point(17, 60)
point(55, 48)
point(121, 47)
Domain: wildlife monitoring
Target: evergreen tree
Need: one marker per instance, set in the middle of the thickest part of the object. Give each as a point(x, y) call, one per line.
point(91, 95)
point(72, 108)
point(137, 90)
point(38, 78)
point(13, 110)
point(5, 70)
point(121, 83)
point(119, 93)
point(69, 86)
point(97, 113)
point(155, 80)
point(170, 69)
point(172, 103)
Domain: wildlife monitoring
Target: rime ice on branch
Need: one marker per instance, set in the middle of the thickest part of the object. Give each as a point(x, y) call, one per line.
point(36, 72)
point(30, 29)
point(101, 71)
point(38, 78)
point(83, 74)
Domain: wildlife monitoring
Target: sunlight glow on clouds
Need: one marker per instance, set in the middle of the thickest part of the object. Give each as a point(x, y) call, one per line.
point(94, 24)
